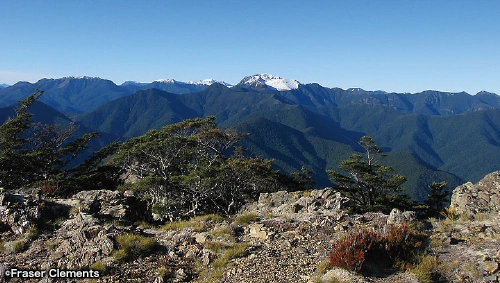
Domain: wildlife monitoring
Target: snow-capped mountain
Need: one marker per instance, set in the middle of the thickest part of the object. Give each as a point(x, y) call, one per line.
point(271, 81)
point(208, 82)
point(172, 85)
point(205, 82)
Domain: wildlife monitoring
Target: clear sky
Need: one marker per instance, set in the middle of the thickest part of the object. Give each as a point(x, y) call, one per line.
point(402, 46)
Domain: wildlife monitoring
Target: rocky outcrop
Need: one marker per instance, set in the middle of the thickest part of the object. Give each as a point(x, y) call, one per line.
point(19, 211)
point(301, 204)
point(397, 217)
point(287, 239)
point(104, 203)
point(80, 242)
point(483, 197)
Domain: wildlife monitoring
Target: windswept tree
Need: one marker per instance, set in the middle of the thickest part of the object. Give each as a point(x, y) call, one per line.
point(12, 145)
point(33, 152)
point(186, 168)
point(301, 181)
point(368, 184)
point(436, 199)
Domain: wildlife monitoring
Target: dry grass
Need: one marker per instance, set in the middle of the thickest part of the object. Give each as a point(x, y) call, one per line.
point(132, 246)
point(246, 218)
point(323, 266)
point(226, 252)
point(427, 270)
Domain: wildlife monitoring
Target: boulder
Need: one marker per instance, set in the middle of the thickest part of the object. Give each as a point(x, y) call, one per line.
point(396, 217)
point(19, 211)
point(483, 197)
point(323, 201)
point(111, 205)
point(81, 241)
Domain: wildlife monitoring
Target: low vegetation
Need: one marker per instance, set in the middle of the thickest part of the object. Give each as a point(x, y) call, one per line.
point(225, 253)
point(132, 246)
point(394, 246)
point(246, 218)
point(427, 270)
point(99, 266)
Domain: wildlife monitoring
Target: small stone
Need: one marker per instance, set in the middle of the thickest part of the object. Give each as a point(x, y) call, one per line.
point(256, 232)
point(201, 238)
point(491, 267)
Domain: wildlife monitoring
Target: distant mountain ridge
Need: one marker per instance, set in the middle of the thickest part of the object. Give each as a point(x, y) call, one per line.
point(430, 147)
point(429, 136)
point(76, 95)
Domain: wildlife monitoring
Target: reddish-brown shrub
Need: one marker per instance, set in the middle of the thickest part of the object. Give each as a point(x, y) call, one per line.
point(390, 245)
point(49, 188)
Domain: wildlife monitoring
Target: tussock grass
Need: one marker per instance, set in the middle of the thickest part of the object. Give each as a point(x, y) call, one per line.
point(323, 266)
point(99, 266)
point(230, 253)
point(132, 246)
point(427, 270)
point(246, 218)
point(226, 252)
point(222, 232)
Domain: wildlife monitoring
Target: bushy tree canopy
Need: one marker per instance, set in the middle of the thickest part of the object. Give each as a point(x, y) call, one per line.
point(369, 185)
point(33, 152)
point(186, 168)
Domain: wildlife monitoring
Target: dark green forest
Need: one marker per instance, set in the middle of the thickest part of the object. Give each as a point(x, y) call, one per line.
point(183, 169)
point(427, 137)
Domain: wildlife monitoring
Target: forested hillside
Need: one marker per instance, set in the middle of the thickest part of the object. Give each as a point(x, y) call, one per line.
point(428, 136)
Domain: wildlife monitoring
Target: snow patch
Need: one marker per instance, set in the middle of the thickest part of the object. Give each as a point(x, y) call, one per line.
point(272, 81)
point(208, 82)
point(170, 81)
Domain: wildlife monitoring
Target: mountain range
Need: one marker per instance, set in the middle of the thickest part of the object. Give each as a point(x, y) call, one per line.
point(428, 136)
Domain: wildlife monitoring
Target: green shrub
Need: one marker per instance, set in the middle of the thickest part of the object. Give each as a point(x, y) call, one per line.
point(230, 253)
point(131, 246)
point(246, 218)
point(427, 270)
point(50, 245)
point(19, 246)
point(323, 267)
point(99, 266)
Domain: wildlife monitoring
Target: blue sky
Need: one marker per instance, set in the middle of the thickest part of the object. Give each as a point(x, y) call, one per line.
point(402, 46)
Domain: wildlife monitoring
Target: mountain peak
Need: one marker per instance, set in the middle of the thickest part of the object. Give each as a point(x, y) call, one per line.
point(208, 82)
point(80, 78)
point(171, 81)
point(271, 81)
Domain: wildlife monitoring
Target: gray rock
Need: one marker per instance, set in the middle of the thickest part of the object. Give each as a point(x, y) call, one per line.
point(19, 211)
point(103, 203)
point(483, 197)
point(81, 242)
point(324, 201)
point(396, 217)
